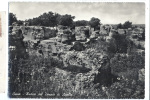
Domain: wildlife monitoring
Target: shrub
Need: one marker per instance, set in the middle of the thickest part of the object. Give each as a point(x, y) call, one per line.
point(126, 89)
point(31, 75)
point(122, 64)
point(121, 42)
point(99, 45)
point(78, 46)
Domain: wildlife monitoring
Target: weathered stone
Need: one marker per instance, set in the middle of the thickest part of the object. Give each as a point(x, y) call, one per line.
point(121, 31)
point(80, 36)
point(94, 35)
point(81, 33)
point(64, 38)
point(104, 31)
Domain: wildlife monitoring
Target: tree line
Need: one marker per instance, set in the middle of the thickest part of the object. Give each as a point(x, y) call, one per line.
point(125, 25)
point(53, 19)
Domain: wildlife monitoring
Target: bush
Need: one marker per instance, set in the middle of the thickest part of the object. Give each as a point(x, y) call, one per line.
point(121, 42)
point(78, 46)
point(99, 45)
point(122, 64)
point(127, 89)
point(31, 75)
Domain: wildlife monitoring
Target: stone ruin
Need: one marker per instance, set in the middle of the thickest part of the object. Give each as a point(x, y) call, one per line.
point(81, 33)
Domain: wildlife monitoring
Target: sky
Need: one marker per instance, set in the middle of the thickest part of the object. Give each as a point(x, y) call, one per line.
point(108, 13)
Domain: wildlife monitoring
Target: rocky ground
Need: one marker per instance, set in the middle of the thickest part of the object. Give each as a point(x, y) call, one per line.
point(87, 69)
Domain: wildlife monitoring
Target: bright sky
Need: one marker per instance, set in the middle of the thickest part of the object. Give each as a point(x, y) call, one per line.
point(108, 13)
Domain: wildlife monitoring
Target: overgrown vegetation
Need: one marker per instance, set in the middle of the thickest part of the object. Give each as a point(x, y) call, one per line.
point(31, 75)
point(77, 72)
point(40, 76)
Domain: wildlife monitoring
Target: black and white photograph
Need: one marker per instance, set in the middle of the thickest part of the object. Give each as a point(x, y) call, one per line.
point(76, 50)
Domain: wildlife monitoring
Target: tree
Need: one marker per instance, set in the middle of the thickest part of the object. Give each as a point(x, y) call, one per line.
point(47, 19)
point(30, 22)
point(127, 25)
point(19, 22)
point(81, 23)
point(119, 26)
point(12, 18)
point(52, 19)
point(57, 18)
point(121, 43)
point(36, 21)
point(66, 20)
point(78, 46)
point(94, 22)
